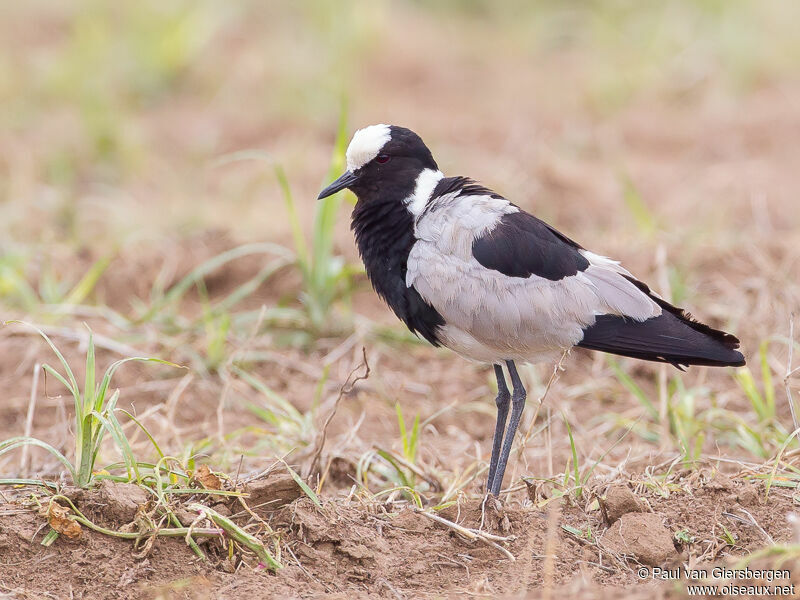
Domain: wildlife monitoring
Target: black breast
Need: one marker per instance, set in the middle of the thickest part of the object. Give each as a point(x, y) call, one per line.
point(384, 232)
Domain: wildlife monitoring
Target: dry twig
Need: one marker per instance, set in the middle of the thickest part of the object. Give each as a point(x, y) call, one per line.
point(346, 388)
point(471, 534)
point(24, 461)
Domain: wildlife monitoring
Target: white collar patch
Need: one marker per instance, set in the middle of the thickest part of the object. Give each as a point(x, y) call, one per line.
point(426, 182)
point(366, 144)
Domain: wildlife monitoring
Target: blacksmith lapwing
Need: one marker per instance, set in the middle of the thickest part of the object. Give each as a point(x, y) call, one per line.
point(466, 269)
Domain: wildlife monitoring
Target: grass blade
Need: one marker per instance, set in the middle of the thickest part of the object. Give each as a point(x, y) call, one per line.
point(300, 246)
point(634, 389)
point(145, 430)
point(238, 534)
point(16, 442)
point(402, 426)
point(122, 444)
point(766, 377)
point(303, 485)
point(575, 465)
point(84, 287)
point(637, 207)
point(778, 456)
point(177, 291)
point(72, 386)
point(412, 441)
point(116, 365)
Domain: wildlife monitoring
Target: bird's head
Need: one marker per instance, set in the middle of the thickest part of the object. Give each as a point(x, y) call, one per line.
point(383, 161)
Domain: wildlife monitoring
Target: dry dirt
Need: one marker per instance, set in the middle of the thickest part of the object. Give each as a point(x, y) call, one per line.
point(352, 549)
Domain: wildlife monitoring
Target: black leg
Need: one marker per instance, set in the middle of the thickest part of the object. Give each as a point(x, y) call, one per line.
point(517, 405)
point(502, 401)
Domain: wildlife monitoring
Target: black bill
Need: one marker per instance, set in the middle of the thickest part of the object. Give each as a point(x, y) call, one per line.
point(345, 181)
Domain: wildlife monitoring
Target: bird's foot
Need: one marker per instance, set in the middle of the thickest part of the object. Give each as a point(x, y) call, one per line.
point(493, 515)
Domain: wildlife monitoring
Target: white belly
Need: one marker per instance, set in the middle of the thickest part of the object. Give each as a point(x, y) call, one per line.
point(462, 343)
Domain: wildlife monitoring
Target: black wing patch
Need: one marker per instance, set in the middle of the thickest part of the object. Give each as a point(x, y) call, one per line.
point(521, 245)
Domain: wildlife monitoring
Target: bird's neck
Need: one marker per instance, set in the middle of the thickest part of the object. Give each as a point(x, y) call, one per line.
point(384, 232)
point(383, 223)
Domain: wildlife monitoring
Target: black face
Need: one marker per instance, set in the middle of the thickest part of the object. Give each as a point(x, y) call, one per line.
point(392, 174)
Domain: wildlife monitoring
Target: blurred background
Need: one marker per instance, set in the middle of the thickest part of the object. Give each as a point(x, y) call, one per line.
point(159, 164)
point(115, 118)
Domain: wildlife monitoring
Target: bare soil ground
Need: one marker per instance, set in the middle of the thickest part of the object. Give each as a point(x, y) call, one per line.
point(690, 181)
point(349, 548)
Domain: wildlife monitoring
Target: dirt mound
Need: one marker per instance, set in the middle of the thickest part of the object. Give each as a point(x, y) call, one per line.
point(618, 501)
point(643, 537)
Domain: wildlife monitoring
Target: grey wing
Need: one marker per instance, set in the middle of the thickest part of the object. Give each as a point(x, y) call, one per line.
point(491, 314)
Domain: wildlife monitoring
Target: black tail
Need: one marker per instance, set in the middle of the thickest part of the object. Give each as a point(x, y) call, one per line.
point(672, 337)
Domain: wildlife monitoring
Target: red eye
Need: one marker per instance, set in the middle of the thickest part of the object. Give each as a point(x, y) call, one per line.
point(382, 158)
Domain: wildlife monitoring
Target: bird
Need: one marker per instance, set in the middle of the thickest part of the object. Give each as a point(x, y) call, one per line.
point(466, 269)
